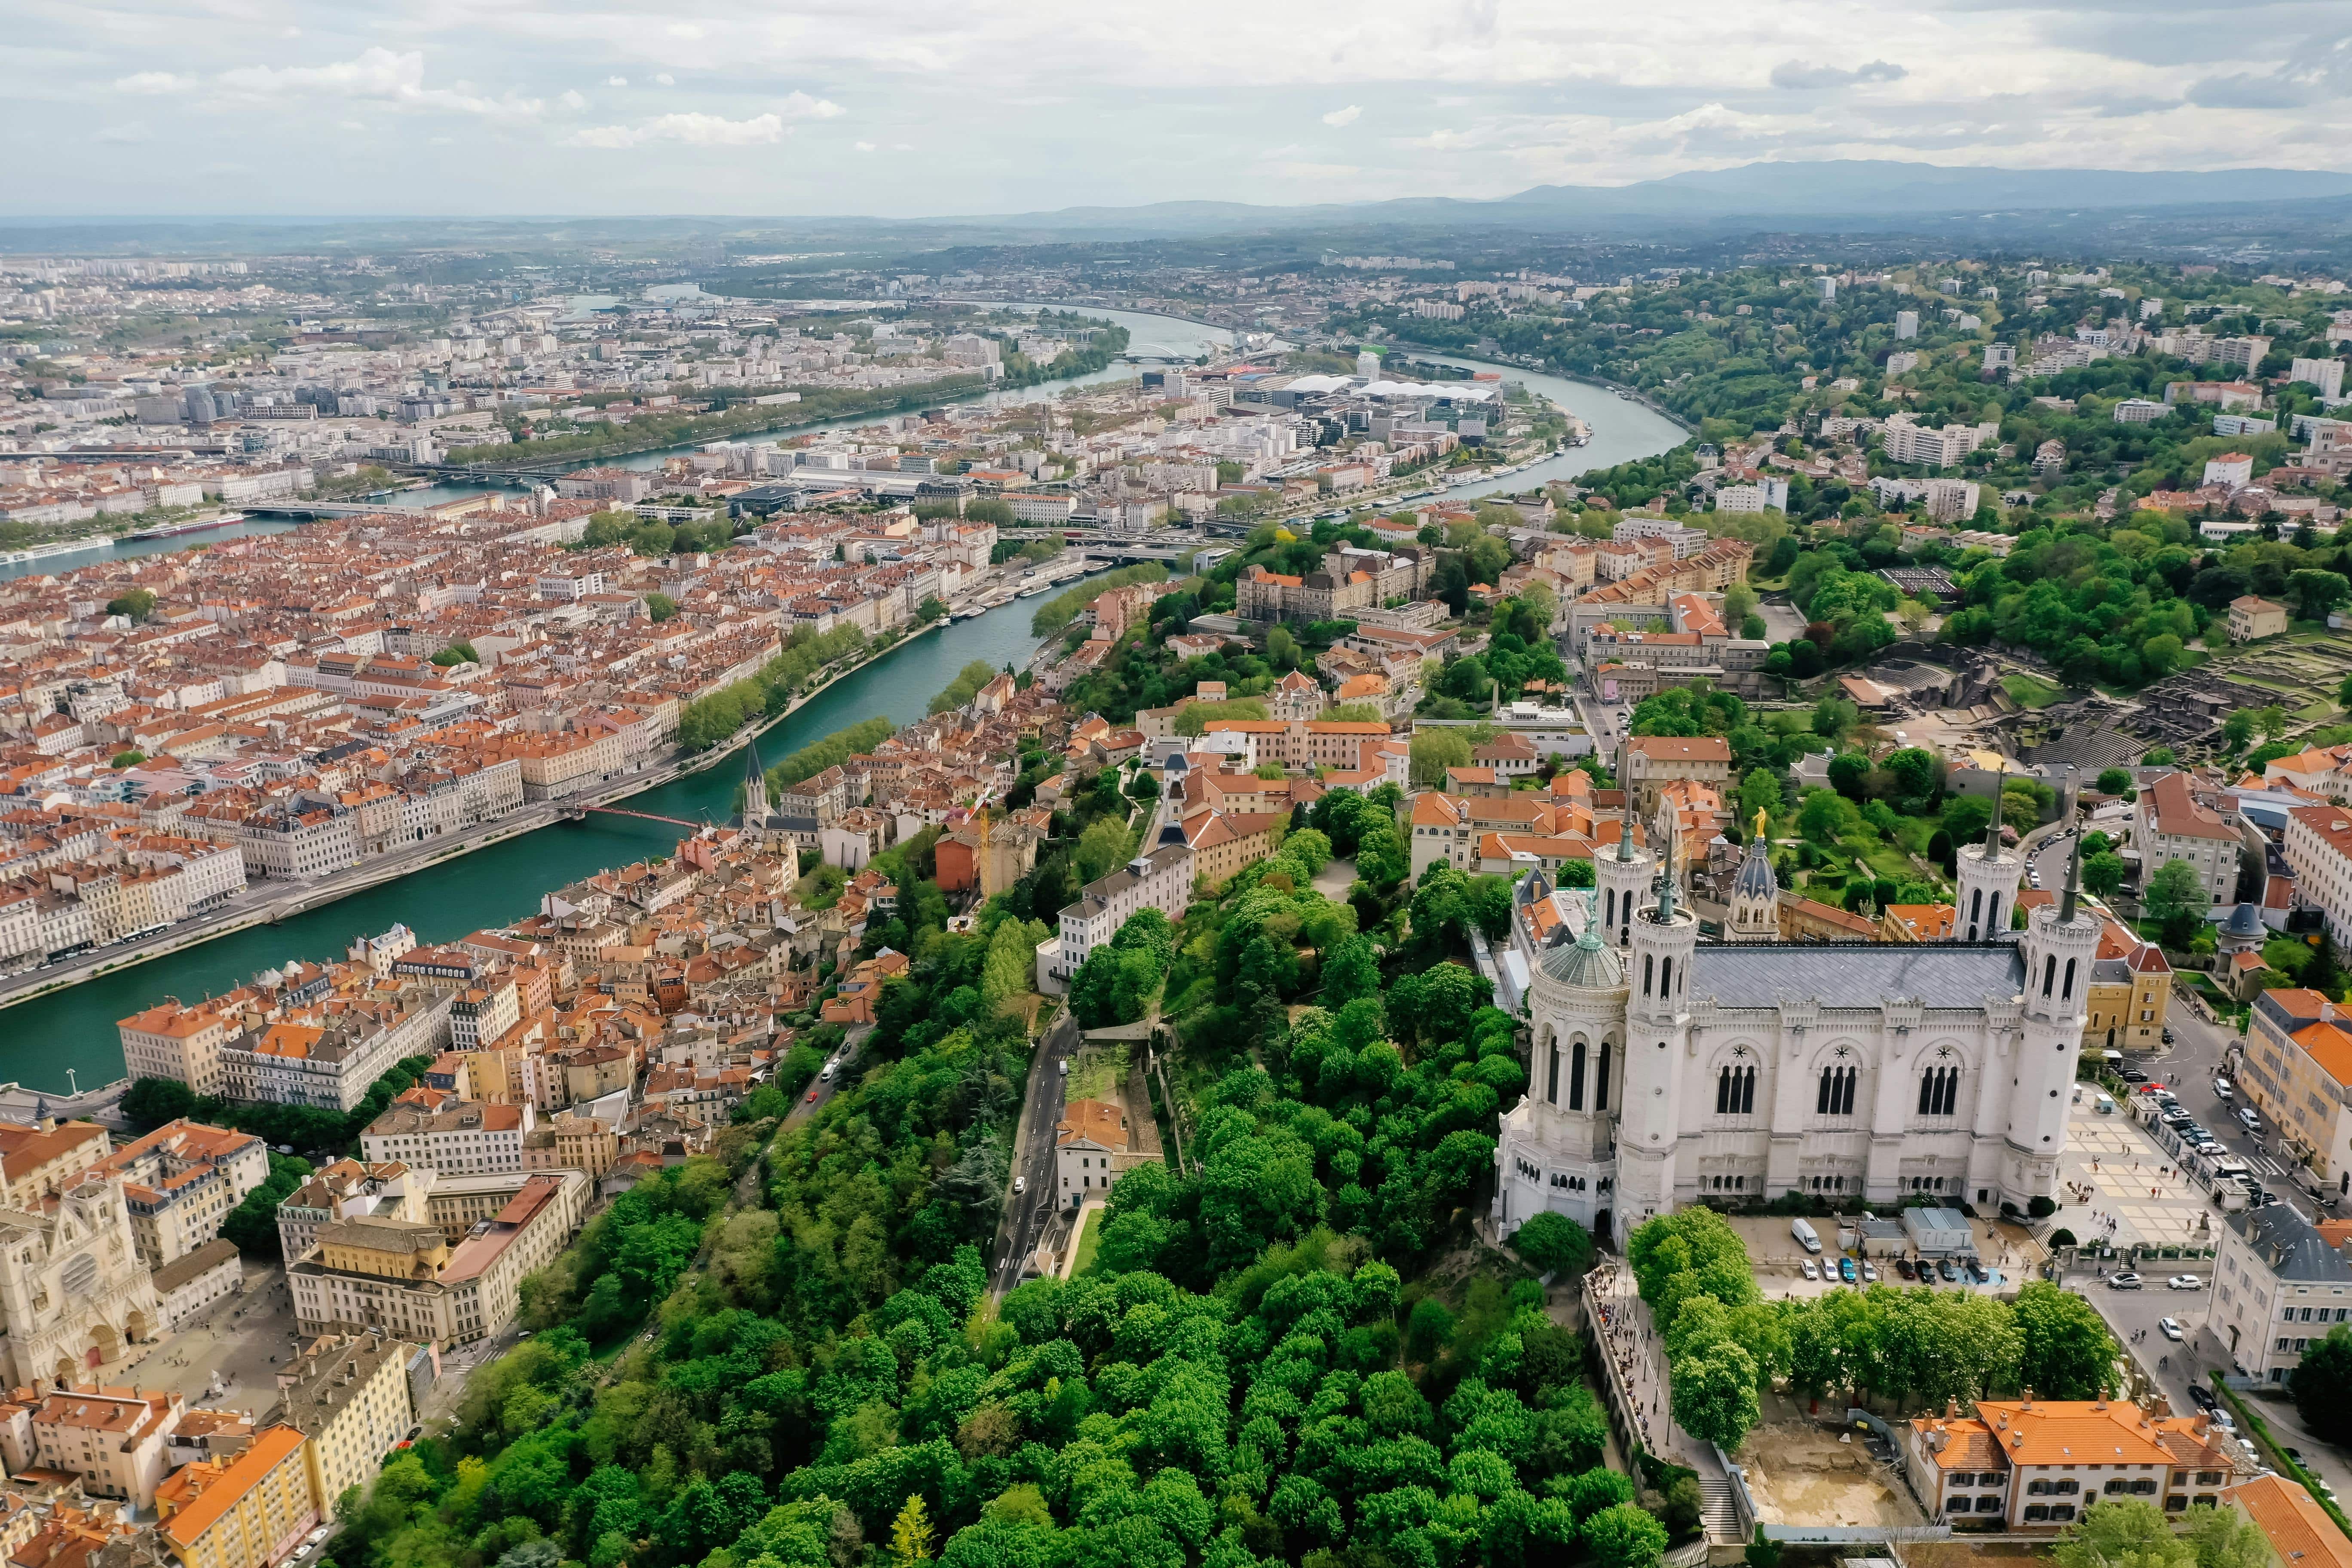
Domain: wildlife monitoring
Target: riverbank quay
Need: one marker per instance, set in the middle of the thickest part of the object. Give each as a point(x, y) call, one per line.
point(54, 1027)
point(265, 903)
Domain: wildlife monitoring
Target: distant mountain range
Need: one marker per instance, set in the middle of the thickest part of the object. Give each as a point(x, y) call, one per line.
point(1783, 195)
point(1835, 197)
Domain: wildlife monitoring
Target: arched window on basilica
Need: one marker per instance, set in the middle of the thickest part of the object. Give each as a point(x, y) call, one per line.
point(1735, 1085)
point(1839, 1078)
point(1939, 1084)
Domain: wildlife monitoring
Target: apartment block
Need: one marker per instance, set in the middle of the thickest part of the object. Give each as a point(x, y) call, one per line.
point(406, 1278)
point(181, 1181)
point(2173, 820)
point(2278, 1287)
point(349, 1396)
point(2296, 1070)
point(1160, 878)
point(251, 1511)
point(454, 1138)
point(2038, 1464)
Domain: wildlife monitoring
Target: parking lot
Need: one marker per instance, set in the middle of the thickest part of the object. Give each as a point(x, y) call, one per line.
point(2008, 1255)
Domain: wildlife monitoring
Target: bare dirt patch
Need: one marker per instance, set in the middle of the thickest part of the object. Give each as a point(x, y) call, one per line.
point(1962, 1553)
point(1801, 1473)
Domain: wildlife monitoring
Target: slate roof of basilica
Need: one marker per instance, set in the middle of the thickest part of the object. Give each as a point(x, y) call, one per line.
point(1861, 974)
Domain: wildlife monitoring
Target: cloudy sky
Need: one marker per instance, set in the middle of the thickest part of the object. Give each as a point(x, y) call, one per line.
point(224, 107)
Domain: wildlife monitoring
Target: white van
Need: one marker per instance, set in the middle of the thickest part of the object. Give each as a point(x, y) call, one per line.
point(2106, 1105)
point(1805, 1236)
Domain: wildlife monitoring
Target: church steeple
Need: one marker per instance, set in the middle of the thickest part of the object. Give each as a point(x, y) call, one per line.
point(2074, 892)
point(1756, 891)
point(1625, 788)
point(755, 785)
point(1667, 882)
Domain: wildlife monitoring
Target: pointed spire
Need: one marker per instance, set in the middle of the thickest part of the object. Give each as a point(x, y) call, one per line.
point(1992, 828)
point(1665, 914)
point(1625, 789)
point(755, 783)
point(2074, 882)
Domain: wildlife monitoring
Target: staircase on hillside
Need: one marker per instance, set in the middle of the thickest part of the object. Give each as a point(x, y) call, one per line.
point(1715, 1495)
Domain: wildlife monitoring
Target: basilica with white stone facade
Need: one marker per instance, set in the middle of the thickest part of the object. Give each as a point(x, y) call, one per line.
point(1665, 1070)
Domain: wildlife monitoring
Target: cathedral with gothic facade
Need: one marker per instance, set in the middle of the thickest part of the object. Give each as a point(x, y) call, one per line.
point(1665, 1070)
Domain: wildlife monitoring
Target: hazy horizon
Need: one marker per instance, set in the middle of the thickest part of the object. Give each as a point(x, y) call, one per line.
point(892, 111)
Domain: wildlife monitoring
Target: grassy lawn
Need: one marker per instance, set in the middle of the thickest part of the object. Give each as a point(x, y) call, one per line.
point(1090, 1242)
point(2315, 713)
point(1098, 1072)
point(2030, 690)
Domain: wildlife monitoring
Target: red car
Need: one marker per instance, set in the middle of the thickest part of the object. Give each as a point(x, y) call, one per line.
point(811, 1098)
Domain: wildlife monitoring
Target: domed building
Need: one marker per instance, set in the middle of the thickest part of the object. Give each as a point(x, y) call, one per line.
point(1664, 1070)
point(2244, 931)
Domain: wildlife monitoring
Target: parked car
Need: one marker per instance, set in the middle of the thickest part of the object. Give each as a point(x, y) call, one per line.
point(2222, 1089)
point(2168, 1036)
point(2126, 1280)
point(2184, 1282)
point(1903, 1267)
point(2223, 1419)
point(2202, 1397)
point(1807, 1268)
point(2132, 1075)
point(1846, 1270)
point(1948, 1270)
point(1869, 1272)
point(2250, 1119)
point(2168, 1327)
point(1977, 1271)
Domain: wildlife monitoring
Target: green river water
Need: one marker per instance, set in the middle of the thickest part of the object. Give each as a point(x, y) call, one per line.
point(76, 1028)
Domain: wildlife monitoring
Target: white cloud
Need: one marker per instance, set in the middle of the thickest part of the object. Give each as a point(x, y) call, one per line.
point(695, 130)
point(1476, 98)
point(801, 106)
point(572, 99)
point(130, 131)
point(1798, 74)
point(378, 74)
point(863, 146)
